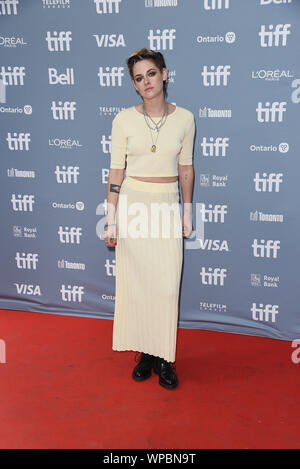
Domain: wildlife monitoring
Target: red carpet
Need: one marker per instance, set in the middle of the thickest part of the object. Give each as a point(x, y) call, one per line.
point(62, 386)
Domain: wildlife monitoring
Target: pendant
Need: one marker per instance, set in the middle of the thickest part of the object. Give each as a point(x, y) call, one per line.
point(153, 148)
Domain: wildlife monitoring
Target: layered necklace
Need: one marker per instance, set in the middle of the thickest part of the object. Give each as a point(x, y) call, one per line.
point(157, 125)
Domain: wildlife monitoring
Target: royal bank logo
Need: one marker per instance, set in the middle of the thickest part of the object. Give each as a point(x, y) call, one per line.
point(274, 35)
point(268, 281)
point(282, 147)
point(56, 3)
point(12, 41)
point(171, 76)
point(229, 38)
point(271, 75)
point(110, 40)
point(258, 216)
point(213, 180)
point(104, 7)
point(160, 3)
point(8, 7)
point(162, 39)
point(216, 4)
point(24, 232)
point(214, 146)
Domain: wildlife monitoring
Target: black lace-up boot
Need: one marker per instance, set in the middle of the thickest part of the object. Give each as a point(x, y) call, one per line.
point(144, 368)
point(166, 373)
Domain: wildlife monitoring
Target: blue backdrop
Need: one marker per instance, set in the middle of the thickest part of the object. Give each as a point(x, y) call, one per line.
point(63, 78)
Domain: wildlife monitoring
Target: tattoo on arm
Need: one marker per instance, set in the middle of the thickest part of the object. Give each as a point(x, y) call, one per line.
point(115, 188)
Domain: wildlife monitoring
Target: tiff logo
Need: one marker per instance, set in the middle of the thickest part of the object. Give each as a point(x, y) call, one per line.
point(12, 76)
point(266, 183)
point(271, 111)
point(264, 313)
point(162, 40)
point(69, 293)
point(59, 42)
point(63, 111)
point(8, 7)
point(110, 268)
point(215, 147)
point(22, 203)
point(215, 4)
point(70, 235)
point(213, 276)
point(267, 37)
point(112, 76)
point(213, 78)
point(18, 141)
point(266, 248)
point(67, 175)
point(106, 144)
point(212, 214)
point(26, 261)
point(107, 6)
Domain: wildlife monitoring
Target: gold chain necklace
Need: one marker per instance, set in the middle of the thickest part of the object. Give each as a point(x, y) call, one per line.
point(157, 126)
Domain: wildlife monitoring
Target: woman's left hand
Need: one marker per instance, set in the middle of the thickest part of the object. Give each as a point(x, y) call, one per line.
point(187, 226)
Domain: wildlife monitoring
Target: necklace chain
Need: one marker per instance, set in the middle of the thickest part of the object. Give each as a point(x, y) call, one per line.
point(157, 126)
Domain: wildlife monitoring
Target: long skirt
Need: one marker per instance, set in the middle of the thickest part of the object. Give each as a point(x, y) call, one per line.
point(149, 254)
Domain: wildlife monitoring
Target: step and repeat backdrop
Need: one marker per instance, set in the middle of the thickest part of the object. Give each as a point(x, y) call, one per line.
point(63, 78)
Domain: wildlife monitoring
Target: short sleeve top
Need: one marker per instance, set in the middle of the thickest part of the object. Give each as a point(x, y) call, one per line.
point(131, 142)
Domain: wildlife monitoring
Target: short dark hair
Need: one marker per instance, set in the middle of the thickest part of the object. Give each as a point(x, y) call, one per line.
point(147, 54)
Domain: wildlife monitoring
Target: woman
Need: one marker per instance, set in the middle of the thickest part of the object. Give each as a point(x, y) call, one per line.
point(144, 220)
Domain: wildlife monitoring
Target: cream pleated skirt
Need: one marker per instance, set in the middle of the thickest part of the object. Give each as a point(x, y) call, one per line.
point(148, 268)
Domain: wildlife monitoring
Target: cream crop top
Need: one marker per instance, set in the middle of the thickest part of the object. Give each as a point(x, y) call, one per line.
point(130, 136)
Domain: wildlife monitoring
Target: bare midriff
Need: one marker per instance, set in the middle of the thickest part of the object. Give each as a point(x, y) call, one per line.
point(156, 179)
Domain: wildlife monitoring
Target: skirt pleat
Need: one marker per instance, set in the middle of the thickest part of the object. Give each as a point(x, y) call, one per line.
point(148, 268)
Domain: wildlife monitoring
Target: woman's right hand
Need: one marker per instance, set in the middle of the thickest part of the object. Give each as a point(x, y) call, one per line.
point(110, 235)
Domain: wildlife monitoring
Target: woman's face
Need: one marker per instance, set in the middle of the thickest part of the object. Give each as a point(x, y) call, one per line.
point(148, 79)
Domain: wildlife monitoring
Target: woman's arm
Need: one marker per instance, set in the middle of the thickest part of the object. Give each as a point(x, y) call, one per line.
point(115, 179)
point(186, 178)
